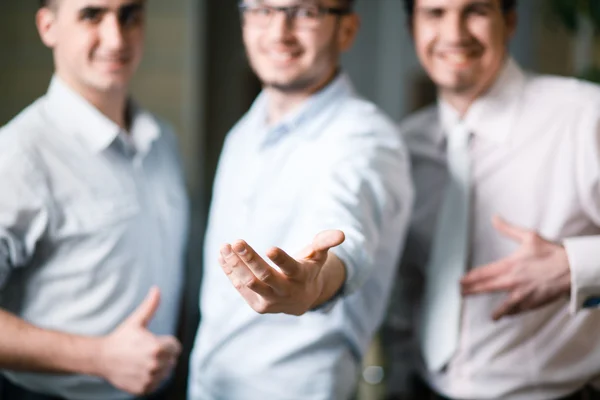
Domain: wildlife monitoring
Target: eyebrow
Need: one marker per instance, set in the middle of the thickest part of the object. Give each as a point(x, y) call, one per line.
point(132, 6)
point(475, 3)
point(297, 3)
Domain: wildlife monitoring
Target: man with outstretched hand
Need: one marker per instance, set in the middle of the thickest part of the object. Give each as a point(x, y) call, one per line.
point(310, 156)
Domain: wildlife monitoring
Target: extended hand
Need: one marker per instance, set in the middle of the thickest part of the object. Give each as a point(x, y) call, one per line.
point(133, 359)
point(535, 275)
point(294, 290)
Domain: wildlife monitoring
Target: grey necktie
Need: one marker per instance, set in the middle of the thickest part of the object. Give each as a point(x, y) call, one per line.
point(448, 257)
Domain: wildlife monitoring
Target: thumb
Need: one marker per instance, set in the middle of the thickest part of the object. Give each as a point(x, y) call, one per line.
point(324, 241)
point(512, 231)
point(143, 314)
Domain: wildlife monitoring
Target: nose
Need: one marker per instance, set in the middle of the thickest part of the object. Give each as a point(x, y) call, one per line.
point(454, 28)
point(111, 33)
point(281, 25)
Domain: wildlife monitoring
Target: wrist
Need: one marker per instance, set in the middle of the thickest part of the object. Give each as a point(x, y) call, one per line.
point(332, 279)
point(565, 278)
point(94, 355)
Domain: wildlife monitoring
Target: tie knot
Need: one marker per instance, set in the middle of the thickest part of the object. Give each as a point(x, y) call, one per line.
point(459, 136)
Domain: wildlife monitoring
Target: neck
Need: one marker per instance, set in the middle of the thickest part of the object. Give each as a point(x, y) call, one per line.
point(281, 102)
point(462, 100)
point(112, 104)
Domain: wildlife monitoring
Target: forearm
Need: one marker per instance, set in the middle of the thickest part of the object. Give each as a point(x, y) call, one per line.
point(25, 347)
point(332, 277)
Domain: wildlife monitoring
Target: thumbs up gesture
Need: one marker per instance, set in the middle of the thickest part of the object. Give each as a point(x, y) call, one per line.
point(133, 359)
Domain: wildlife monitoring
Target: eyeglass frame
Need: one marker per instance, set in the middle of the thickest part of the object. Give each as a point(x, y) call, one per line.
point(289, 11)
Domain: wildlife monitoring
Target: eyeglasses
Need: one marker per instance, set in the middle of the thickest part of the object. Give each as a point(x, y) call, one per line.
point(304, 16)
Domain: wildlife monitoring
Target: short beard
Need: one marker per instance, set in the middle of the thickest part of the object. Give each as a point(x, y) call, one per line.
point(297, 86)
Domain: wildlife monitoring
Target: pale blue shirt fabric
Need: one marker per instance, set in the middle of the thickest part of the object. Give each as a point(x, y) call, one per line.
point(335, 162)
point(90, 219)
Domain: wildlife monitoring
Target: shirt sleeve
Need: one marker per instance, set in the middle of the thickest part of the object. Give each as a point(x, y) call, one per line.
point(584, 252)
point(366, 192)
point(23, 216)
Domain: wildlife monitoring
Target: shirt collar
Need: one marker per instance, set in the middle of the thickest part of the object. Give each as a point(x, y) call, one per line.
point(493, 114)
point(316, 103)
point(76, 116)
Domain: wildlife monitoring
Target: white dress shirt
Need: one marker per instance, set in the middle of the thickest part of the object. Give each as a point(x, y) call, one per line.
point(90, 219)
point(335, 162)
point(536, 162)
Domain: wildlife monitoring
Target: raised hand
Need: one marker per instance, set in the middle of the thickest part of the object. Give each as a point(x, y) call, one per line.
point(133, 359)
point(304, 282)
point(534, 275)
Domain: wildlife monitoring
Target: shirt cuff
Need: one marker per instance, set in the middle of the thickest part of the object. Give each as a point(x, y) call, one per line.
point(584, 260)
point(350, 257)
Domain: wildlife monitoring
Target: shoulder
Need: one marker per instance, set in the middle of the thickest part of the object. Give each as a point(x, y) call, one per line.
point(561, 94)
point(20, 144)
point(358, 118)
point(419, 120)
point(19, 138)
point(420, 127)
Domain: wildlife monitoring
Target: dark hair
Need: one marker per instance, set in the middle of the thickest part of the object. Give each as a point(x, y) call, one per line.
point(507, 6)
point(47, 3)
point(349, 4)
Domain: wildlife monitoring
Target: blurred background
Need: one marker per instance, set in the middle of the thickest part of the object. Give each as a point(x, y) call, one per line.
point(195, 75)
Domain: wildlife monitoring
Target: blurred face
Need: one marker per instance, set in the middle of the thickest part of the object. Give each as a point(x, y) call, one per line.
point(97, 44)
point(462, 43)
point(298, 51)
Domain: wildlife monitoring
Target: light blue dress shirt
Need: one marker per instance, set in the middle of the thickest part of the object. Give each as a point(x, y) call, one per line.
point(335, 162)
point(90, 219)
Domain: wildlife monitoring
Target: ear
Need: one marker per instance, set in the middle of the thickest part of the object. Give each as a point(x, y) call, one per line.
point(510, 21)
point(350, 24)
point(45, 21)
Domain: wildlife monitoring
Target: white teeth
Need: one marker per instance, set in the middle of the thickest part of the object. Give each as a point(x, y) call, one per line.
point(457, 58)
point(281, 56)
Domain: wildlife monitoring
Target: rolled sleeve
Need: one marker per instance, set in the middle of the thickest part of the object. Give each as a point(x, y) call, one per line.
point(584, 252)
point(584, 260)
point(367, 194)
point(23, 215)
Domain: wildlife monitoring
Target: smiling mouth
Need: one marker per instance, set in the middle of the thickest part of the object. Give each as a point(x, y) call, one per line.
point(282, 56)
point(458, 59)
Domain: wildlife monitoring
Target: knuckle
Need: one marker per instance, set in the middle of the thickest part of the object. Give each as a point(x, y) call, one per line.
point(531, 238)
point(153, 367)
point(253, 283)
point(156, 350)
point(239, 285)
point(266, 275)
point(248, 256)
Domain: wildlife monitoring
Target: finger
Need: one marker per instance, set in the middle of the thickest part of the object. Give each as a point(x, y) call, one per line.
point(288, 265)
point(512, 231)
point(263, 271)
point(240, 275)
point(146, 310)
point(170, 346)
point(487, 272)
point(500, 284)
point(511, 306)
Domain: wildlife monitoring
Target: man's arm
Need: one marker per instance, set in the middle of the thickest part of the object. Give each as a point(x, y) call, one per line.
point(541, 271)
point(131, 358)
point(360, 203)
